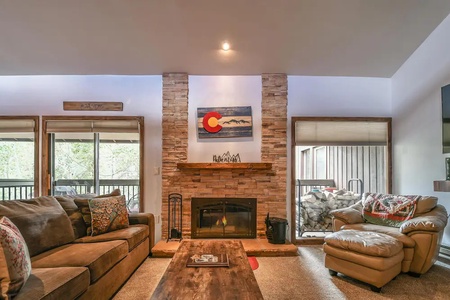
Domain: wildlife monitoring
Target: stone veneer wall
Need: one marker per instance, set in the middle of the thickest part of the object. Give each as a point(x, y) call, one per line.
point(268, 186)
point(174, 137)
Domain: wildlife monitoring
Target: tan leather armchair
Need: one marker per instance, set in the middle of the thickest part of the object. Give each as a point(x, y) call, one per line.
point(421, 236)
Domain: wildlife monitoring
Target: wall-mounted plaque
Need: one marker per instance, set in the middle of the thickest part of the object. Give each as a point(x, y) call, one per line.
point(87, 105)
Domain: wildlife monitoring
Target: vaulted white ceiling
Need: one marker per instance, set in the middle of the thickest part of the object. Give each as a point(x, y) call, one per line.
point(299, 37)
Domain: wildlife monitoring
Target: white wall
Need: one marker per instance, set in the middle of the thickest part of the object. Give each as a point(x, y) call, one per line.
point(222, 91)
point(416, 102)
point(141, 96)
point(335, 97)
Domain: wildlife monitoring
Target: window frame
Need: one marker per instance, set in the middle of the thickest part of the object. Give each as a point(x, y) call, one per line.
point(46, 182)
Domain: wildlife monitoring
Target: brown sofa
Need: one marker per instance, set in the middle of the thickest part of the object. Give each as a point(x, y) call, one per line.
point(420, 236)
point(67, 264)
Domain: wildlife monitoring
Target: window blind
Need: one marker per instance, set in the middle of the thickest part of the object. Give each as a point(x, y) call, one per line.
point(17, 125)
point(340, 133)
point(126, 126)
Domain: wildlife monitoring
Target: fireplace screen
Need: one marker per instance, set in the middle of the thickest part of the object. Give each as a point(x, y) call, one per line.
point(223, 217)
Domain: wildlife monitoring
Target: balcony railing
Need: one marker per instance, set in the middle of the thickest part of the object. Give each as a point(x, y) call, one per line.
point(24, 189)
point(16, 189)
point(128, 187)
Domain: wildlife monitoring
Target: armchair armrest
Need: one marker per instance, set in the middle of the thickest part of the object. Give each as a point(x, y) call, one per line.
point(433, 221)
point(349, 215)
point(146, 219)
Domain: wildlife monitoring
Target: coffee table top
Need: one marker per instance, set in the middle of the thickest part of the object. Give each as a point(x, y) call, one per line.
point(234, 282)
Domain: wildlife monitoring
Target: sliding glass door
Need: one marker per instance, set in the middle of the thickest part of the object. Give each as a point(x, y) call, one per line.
point(335, 160)
point(95, 157)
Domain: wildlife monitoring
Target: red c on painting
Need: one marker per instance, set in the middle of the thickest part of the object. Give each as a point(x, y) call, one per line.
point(210, 122)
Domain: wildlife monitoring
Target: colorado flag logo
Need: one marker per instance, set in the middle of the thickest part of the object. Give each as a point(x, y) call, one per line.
point(225, 122)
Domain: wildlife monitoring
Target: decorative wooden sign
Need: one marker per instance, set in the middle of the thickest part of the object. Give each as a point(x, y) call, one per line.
point(224, 122)
point(102, 106)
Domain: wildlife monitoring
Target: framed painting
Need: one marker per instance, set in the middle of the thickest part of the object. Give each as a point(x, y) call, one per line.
point(224, 122)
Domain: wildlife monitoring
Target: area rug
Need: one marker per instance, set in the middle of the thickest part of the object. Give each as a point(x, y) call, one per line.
point(253, 262)
point(305, 277)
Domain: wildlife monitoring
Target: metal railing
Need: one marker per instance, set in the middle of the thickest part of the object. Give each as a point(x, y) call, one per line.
point(16, 189)
point(11, 189)
point(128, 187)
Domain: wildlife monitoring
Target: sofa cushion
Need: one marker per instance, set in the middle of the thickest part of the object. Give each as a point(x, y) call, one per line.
point(388, 210)
point(76, 218)
point(108, 214)
point(350, 215)
point(42, 222)
point(15, 264)
point(55, 283)
point(394, 232)
point(115, 192)
point(425, 204)
point(99, 258)
point(365, 242)
point(134, 235)
point(83, 206)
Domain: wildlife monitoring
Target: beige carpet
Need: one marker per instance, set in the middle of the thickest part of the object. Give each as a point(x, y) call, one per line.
point(305, 277)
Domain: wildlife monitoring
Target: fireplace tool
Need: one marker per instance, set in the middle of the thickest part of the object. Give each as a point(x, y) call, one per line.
point(175, 210)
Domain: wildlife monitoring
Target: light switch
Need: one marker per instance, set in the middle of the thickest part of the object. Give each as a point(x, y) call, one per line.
point(156, 171)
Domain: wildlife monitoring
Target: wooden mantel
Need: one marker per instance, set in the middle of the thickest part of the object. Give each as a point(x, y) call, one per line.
point(259, 166)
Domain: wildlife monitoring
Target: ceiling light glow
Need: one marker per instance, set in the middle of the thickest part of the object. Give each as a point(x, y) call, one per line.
point(225, 46)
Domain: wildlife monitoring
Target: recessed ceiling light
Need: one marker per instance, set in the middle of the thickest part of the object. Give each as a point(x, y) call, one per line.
point(225, 46)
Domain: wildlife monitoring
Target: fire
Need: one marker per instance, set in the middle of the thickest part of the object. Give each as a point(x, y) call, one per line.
point(223, 221)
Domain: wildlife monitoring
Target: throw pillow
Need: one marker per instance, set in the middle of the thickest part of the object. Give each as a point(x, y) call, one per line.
point(425, 204)
point(115, 192)
point(108, 214)
point(76, 218)
point(42, 222)
point(83, 206)
point(388, 210)
point(15, 263)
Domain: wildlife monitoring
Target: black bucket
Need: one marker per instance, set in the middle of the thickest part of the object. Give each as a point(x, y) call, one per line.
point(276, 230)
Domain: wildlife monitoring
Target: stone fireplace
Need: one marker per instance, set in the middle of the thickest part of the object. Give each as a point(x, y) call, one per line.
point(223, 218)
point(267, 185)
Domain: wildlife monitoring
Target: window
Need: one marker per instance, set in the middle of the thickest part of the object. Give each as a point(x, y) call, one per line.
point(19, 174)
point(353, 153)
point(320, 162)
point(95, 155)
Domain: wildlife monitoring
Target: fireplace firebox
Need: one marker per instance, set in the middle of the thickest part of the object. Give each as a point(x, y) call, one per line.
point(223, 218)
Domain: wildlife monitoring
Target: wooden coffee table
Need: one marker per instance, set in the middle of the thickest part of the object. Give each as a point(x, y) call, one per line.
point(234, 282)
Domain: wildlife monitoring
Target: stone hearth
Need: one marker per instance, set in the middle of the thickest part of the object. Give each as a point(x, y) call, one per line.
point(252, 247)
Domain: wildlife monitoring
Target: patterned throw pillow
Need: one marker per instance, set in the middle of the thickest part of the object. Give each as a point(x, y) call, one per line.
point(15, 264)
point(388, 210)
point(83, 206)
point(108, 214)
